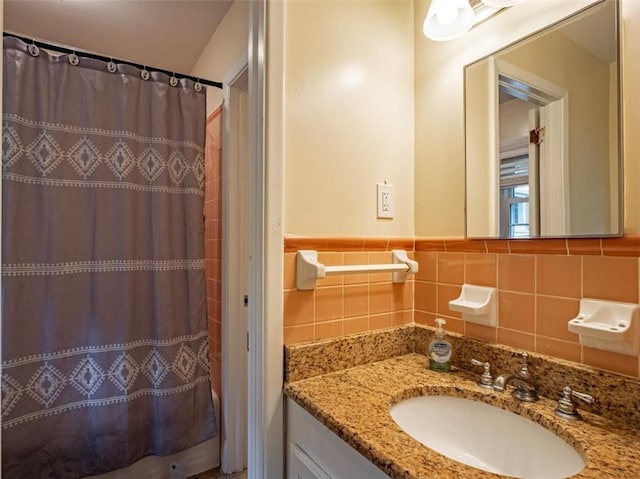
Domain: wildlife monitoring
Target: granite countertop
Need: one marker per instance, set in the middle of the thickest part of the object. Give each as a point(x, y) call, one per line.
point(354, 403)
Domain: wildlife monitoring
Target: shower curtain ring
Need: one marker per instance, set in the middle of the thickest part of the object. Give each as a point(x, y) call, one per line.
point(144, 74)
point(111, 67)
point(73, 58)
point(34, 51)
point(198, 86)
point(173, 81)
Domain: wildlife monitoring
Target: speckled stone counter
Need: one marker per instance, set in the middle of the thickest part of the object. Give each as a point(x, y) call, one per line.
point(350, 384)
point(354, 403)
point(617, 397)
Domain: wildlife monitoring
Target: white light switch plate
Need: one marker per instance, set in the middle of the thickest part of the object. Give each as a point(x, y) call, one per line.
point(385, 200)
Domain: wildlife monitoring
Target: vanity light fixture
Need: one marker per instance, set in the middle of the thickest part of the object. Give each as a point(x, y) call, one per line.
point(449, 19)
point(501, 3)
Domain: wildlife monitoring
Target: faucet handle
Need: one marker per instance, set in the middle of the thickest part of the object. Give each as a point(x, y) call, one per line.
point(567, 408)
point(486, 380)
point(523, 372)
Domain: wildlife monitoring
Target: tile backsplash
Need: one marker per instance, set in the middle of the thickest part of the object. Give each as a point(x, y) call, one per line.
point(539, 283)
point(213, 243)
point(345, 304)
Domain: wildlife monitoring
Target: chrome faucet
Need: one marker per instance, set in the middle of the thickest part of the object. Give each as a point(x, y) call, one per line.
point(524, 390)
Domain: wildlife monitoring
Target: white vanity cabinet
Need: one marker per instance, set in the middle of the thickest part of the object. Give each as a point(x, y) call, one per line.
point(314, 452)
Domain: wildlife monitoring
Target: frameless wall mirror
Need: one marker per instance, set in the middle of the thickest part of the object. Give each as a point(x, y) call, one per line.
point(543, 150)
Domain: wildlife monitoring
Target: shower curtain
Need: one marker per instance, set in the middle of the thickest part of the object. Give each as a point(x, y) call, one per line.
point(104, 340)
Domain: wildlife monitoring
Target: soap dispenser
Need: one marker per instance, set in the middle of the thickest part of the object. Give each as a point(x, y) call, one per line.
point(440, 349)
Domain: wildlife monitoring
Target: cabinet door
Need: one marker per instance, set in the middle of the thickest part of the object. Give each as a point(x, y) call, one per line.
point(302, 466)
point(333, 458)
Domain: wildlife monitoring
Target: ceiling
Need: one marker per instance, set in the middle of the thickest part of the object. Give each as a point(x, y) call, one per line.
point(596, 31)
point(167, 34)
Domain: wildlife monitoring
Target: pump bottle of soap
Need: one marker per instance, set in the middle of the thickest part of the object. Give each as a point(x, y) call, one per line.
point(440, 349)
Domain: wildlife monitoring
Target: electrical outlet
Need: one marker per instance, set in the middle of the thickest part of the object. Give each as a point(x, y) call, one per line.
point(385, 200)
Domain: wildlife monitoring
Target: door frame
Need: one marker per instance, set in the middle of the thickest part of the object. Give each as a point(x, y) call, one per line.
point(266, 184)
point(553, 185)
point(233, 444)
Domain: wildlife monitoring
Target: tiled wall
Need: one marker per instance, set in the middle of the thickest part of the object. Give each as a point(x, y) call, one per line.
point(539, 282)
point(345, 304)
point(213, 240)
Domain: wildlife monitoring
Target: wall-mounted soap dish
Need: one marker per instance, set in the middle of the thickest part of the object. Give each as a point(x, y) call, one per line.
point(608, 325)
point(477, 304)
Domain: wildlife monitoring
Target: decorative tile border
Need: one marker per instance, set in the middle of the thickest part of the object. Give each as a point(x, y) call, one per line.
point(628, 245)
point(347, 243)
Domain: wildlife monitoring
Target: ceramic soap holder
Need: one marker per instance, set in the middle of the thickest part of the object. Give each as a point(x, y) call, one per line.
point(477, 304)
point(608, 325)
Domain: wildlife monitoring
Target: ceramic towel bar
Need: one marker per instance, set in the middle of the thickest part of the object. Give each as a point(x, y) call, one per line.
point(309, 269)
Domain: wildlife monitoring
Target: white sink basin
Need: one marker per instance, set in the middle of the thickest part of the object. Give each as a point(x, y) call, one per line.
point(486, 437)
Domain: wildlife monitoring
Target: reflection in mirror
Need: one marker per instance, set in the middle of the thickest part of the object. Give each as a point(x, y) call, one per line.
point(542, 133)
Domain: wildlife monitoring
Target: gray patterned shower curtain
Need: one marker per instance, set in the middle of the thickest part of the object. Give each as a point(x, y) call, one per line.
point(104, 340)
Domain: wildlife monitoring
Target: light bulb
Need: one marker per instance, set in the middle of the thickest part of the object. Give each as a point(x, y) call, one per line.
point(447, 19)
point(447, 15)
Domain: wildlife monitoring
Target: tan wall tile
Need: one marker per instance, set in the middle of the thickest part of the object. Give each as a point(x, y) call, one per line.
point(498, 246)
point(298, 334)
point(451, 268)
point(298, 307)
point(628, 245)
point(380, 298)
point(559, 275)
point(329, 329)
point(538, 246)
point(289, 281)
point(355, 325)
point(618, 363)
point(481, 269)
point(353, 259)
point(424, 318)
point(610, 278)
point(558, 348)
point(380, 258)
point(428, 265)
point(516, 339)
point(465, 245)
point(356, 301)
point(400, 318)
point(455, 325)
point(328, 304)
point(585, 246)
point(426, 296)
point(553, 315)
point(331, 259)
point(480, 331)
point(538, 293)
point(446, 293)
point(402, 295)
point(380, 321)
point(517, 311)
point(516, 272)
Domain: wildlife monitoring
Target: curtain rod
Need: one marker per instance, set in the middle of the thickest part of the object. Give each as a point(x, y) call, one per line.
point(95, 56)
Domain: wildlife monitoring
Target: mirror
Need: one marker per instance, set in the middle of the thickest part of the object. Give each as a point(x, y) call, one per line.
point(542, 119)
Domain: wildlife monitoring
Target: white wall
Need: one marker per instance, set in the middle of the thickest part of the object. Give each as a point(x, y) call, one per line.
point(228, 45)
point(348, 116)
point(631, 114)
